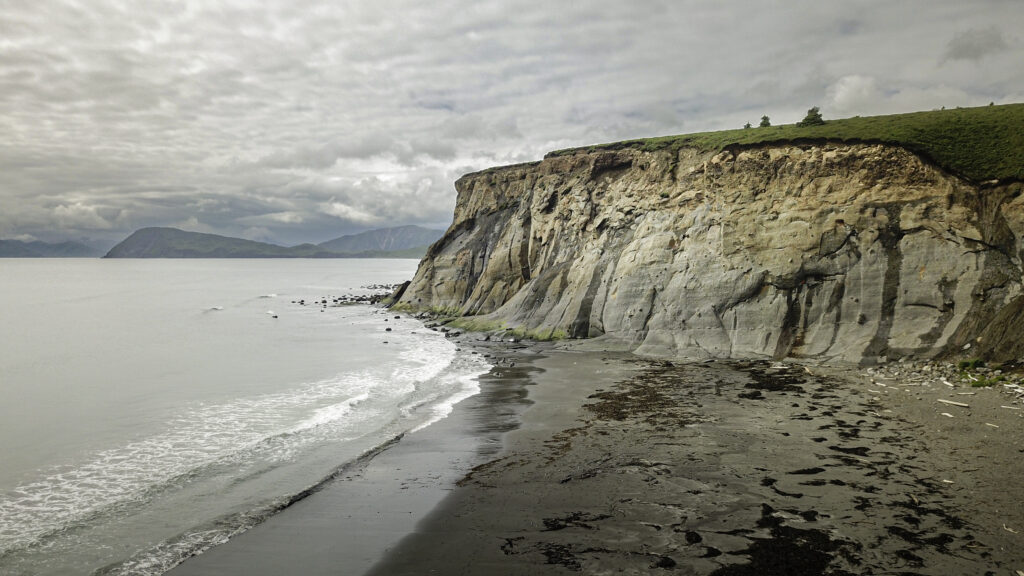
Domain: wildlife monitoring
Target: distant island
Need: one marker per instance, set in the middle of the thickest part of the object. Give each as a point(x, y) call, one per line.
point(37, 249)
point(398, 242)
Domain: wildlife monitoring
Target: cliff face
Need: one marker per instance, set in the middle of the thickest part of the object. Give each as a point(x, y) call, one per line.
point(846, 252)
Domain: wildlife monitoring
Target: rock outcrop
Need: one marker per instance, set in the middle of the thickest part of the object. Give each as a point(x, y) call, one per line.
point(844, 252)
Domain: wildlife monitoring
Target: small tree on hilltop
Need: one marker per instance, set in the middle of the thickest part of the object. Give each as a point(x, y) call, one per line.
point(813, 118)
point(747, 125)
point(765, 122)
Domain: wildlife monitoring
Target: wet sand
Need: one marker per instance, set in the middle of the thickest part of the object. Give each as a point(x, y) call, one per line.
point(353, 521)
point(734, 469)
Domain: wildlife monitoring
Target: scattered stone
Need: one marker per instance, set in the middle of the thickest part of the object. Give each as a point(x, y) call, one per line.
point(929, 374)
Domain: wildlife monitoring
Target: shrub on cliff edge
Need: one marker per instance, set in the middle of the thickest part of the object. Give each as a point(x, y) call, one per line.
point(813, 118)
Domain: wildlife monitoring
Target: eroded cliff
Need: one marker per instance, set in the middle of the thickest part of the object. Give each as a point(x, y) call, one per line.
point(847, 252)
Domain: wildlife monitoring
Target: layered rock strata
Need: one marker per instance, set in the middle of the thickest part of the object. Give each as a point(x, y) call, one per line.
point(844, 252)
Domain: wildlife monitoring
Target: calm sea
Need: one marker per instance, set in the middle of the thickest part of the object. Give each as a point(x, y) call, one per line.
point(153, 408)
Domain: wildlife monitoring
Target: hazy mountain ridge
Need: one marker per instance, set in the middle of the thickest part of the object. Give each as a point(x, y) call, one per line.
point(174, 243)
point(386, 239)
point(37, 249)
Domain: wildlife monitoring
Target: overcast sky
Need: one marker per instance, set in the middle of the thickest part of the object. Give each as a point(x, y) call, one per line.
point(292, 121)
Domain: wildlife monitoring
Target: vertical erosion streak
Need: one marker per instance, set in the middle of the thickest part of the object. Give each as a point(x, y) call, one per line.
point(946, 312)
point(524, 247)
point(890, 237)
point(790, 324)
point(580, 326)
point(835, 304)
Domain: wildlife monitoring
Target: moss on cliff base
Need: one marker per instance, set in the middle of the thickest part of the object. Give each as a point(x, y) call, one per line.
point(475, 324)
point(985, 143)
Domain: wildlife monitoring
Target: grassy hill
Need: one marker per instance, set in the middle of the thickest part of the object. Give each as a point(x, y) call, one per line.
point(979, 144)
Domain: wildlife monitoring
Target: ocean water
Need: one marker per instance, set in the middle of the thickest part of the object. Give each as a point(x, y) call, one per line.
point(150, 409)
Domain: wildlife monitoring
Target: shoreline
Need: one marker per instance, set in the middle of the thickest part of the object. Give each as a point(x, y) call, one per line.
point(583, 461)
point(351, 522)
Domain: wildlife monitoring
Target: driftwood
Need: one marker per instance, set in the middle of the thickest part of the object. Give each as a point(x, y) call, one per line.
point(951, 403)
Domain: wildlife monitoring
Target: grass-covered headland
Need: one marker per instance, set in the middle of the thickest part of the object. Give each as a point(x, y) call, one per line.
point(979, 144)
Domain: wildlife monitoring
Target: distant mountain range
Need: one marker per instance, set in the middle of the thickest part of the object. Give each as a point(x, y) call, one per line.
point(399, 242)
point(36, 249)
point(388, 239)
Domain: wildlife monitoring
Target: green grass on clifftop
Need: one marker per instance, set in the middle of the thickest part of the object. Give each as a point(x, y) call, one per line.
point(980, 144)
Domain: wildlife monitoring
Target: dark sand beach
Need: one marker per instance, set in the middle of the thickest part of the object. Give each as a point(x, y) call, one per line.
point(740, 468)
point(605, 463)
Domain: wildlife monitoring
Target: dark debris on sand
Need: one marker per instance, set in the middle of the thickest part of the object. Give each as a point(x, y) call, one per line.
point(743, 469)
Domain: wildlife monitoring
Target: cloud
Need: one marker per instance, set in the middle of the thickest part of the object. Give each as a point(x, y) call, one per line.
point(286, 217)
point(80, 216)
point(348, 212)
point(298, 122)
point(861, 95)
point(323, 156)
point(274, 218)
point(192, 224)
point(853, 93)
point(975, 44)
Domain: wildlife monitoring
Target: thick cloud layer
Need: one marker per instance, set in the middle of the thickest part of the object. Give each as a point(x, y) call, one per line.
point(299, 121)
